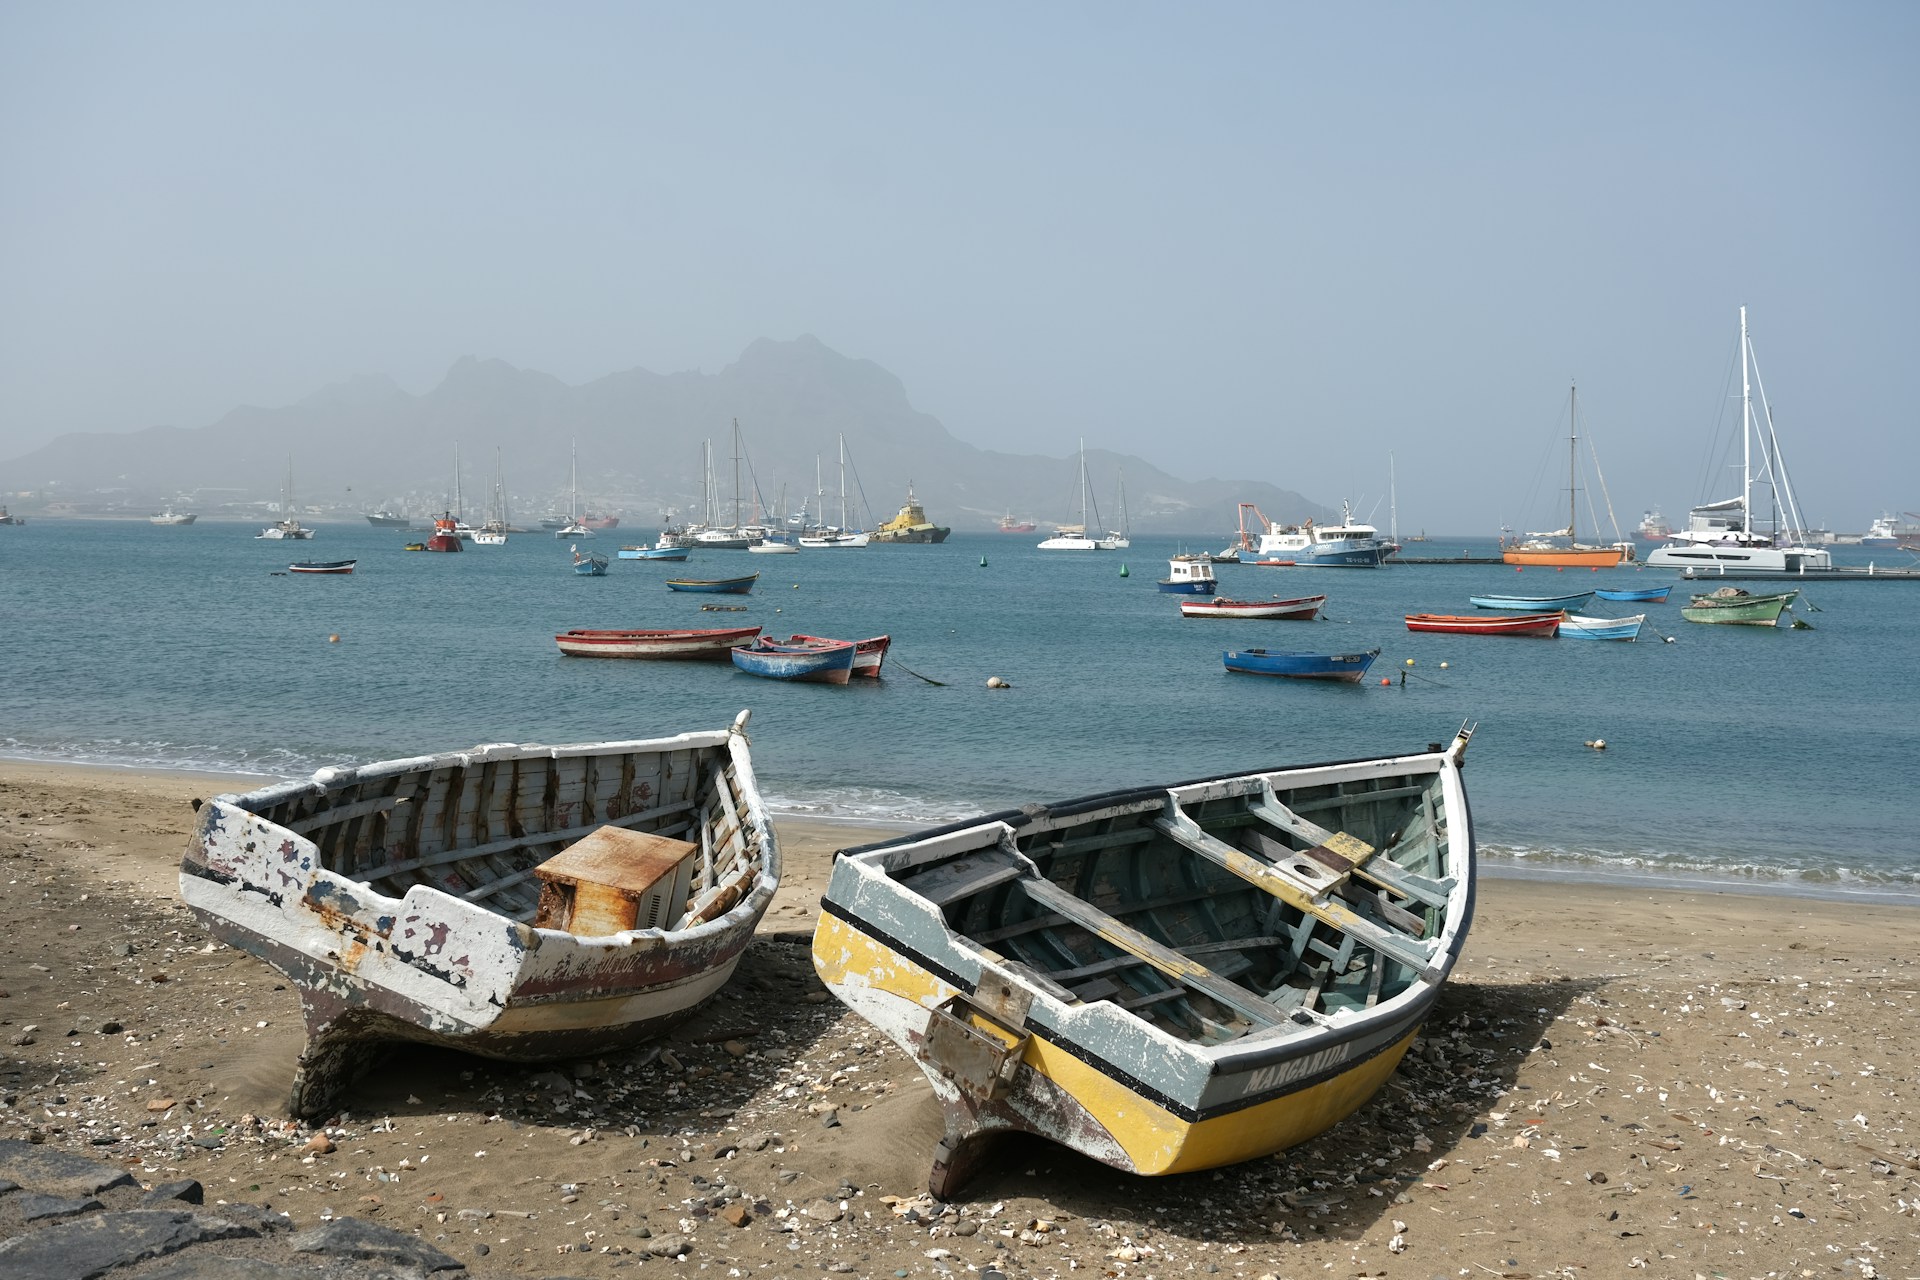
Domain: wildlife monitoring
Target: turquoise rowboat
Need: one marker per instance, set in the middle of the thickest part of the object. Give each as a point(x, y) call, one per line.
point(722, 586)
point(1534, 604)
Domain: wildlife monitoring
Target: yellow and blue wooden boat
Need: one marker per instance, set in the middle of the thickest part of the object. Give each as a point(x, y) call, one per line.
point(1164, 979)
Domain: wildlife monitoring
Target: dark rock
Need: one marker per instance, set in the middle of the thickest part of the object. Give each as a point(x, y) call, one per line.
point(94, 1245)
point(57, 1172)
point(187, 1191)
point(111, 1028)
point(362, 1240)
point(220, 1268)
point(34, 1207)
point(254, 1216)
point(8, 1184)
point(212, 1142)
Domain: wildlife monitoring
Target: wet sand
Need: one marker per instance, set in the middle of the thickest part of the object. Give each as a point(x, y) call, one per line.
point(1618, 1080)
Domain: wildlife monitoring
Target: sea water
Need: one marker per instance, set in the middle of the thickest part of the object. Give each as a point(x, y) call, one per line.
point(1770, 758)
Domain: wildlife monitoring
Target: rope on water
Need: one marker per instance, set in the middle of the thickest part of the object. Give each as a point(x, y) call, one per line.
point(917, 676)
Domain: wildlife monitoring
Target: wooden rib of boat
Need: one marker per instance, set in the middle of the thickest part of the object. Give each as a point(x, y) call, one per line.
point(720, 586)
point(1347, 667)
point(1299, 609)
point(709, 643)
point(322, 566)
point(1741, 608)
point(1533, 604)
point(1649, 595)
point(868, 655)
point(1481, 624)
point(1163, 979)
point(814, 661)
point(1576, 627)
point(526, 903)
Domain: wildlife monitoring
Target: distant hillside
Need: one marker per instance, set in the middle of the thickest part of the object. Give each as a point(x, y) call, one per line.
point(366, 444)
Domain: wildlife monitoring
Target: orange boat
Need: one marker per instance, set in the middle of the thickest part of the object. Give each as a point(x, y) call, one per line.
point(1570, 557)
point(1562, 548)
point(1480, 624)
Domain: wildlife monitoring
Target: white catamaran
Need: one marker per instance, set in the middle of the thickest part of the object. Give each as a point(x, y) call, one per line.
point(1722, 539)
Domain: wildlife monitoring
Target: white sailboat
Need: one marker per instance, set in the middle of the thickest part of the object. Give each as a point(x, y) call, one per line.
point(1073, 537)
point(1722, 539)
point(493, 533)
point(573, 528)
point(842, 535)
point(286, 527)
point(1119, 539)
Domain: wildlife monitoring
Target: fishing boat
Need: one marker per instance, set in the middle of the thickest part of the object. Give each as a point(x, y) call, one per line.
point(1345, 667)
point(1576, 627)
point(446, 534)
point(525, 903)
point(1562, 548)
point(1722, 538)
point(911, 524)
point(814, 661)
point(170, 516)
point(588, 565)
point(286, 527)
point(1482, 624)
point(721, 586)
point(654, 553)
point(868, 655)
point(1299, 609)
point(600, 522)
point(1163, 979)
point(1732, 605)
point(1533, 604)
point(1189, 577)
point(1350, 544)
point(1634, 595)
point(322, 566)
point(6, 518)
point(683, 645)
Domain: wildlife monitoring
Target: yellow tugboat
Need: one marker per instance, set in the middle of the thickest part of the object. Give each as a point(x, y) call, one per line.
point(911, 525)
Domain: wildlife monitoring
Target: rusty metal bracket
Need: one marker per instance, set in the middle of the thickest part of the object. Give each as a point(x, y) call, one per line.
point(977, 1048)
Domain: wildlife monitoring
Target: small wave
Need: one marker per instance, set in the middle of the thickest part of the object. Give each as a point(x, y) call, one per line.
point(1831, 879)
point(166, 757)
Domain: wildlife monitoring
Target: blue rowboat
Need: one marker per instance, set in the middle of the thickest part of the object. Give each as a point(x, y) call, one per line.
point(653, 553)
point(590, 566)
point(1533, 604)
point(1349, 667)
point(1651, 595)
point(724, 586)
point(1575, 627)
point(821, 661)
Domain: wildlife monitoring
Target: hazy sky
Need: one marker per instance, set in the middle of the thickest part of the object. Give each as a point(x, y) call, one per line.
point(1266, 239)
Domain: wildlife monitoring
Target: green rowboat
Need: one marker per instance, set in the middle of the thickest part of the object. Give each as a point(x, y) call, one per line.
point(1731, 604)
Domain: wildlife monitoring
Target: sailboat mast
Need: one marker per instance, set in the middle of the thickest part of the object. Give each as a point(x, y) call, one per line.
point(573, 499)
point(843, 481)
point(459, 507)
point(1573, 460)
point(1393, 504)
point(1746, 432)
point(1083, 483)
point(736, 473)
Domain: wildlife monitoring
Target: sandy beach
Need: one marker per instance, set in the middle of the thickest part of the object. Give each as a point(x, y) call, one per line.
point(1619, 1080)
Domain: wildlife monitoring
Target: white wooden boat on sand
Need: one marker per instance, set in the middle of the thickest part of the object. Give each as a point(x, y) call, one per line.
point(1163, 979)
point(525, 903)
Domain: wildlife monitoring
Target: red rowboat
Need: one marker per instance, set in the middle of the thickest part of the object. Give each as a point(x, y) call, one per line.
point(867, 654)
point(709, 643)
point(1514, 624)
point(1302, 609)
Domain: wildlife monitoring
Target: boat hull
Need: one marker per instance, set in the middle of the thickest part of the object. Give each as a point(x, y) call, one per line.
point(1749, 611)
point(1533, 604)
point(1188, 588)
point(717, 586)
point(323, 566)
point(591, 567)
point(1032, 1009)
point(1575, 627)
point(1299, 609)
point(393, 896)
point(709, 644)
point(1647, 595)
point(869, 655)
point(653, 553)
point(1347, 667)
point(1564, 557)
point(1518, 624)
point(829, 662)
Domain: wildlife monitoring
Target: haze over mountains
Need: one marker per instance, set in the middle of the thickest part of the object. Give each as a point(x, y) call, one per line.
point(366, 443)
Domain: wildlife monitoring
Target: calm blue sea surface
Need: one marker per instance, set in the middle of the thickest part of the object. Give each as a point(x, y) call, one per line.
point(1770, 758)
